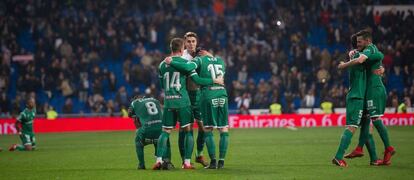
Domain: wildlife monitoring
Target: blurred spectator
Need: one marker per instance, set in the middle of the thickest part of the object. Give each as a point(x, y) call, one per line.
point(51, 114)
point(16, 105)
point(309, 100)
point(96, 103)
point(43, 109)
point(402, 108)
point(124, 112)
point(68, 106)
point(65, 86)
point(97, 86)
point(110, 107)
point(396, 80)
point(126, 69)
point(121, 97)
point(84, 86)
point(275, 108)
point(243, 103)
point(66, 50)
point(4, 81)
point(394, 103)
point(242, 75)
point(4, 104)
point(129, 42)
point(327, 106)
point(323, 76)
point(112, 82)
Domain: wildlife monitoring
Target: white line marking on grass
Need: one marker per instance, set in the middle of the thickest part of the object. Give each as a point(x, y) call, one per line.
point(291, 128)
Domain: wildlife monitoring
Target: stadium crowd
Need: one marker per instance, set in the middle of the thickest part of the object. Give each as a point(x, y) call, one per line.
point(93, 56)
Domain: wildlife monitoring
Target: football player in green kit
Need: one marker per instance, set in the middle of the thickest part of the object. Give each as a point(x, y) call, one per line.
point(213, 105)
point(24, 126)
point(177, 103)
point(375, 94)
point(147, 115)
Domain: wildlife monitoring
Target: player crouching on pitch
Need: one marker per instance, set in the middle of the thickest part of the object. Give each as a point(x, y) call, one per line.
point(24, 126)
point(147, 115)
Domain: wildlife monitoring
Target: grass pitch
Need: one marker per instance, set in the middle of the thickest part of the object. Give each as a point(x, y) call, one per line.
point(253, 154)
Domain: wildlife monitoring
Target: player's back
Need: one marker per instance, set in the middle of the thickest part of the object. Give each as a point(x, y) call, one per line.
point(212, 67)
point(148, 110)
point(174, 85)
point(373, 63)
point(357, 80)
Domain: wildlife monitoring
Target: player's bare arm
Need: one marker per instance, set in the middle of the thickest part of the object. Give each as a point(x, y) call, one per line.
point(361, 59)
point(205, 53)
point(380, 71)
point(18, 126)
point(137, 123)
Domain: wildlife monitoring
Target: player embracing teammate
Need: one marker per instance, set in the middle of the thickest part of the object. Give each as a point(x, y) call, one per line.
point(366, 95)
point(213, 105)
point(177, 102)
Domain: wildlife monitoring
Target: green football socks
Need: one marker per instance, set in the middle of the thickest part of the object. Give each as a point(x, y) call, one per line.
point(224, 143)
point(200, 142)
point(343, 145)
point(364, 133)
point(162, 144)
point(139, 149)
point(382, 130)
point(181, 137)
point(188, 144)
point(167, 155)
point(371, 148)
point(211, 147)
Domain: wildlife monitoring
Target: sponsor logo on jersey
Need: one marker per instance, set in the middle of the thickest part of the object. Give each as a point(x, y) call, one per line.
point(218, 102)
point(173, 97)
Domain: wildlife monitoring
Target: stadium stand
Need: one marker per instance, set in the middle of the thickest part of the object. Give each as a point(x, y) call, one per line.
point(93, 56)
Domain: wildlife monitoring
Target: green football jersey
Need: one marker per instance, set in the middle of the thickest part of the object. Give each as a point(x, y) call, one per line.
point(148, 110)
point(357, 80)
point(26, 117)
point(373, 62)
point(173, 82)
point(211, 67)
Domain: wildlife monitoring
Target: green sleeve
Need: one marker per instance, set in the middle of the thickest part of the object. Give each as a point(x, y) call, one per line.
point(378, 56)
point(160, 78)
point(161, 84)
point(197, 61)
point(372, 54)
point(131, 110)
point(201, 81)
point(184, 66)
point(21, 117)
point(224, 66)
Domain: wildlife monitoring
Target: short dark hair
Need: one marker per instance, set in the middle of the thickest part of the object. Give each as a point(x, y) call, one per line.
point(190, 34)
point(136, 97)
point(176, 44)
point(29, 98)
point(365, 33)
point(354, 41)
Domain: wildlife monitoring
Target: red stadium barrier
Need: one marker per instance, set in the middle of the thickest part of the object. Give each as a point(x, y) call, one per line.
point(42, 125)
point(308, 120)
